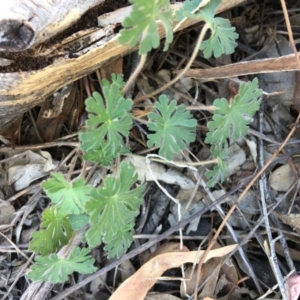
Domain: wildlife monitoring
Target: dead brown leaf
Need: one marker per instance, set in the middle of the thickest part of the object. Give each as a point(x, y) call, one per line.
point(137, 286)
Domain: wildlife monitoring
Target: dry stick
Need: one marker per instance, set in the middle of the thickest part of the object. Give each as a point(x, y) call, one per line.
point(20, 274)
point(289, 29)
point(254, 229)
point(87, 86)
point(37, 131)
point(194, 54)
point(136, 72)
point(176, 201)
point(272, 289)
point(38, 146)
point(18, 250)
point(202, 3)
point(265, 197)
point(201, 107)
point(272, 253)
point(246, 264)
point(169, 50)
point(181, 94)
point(262, 170)
point(292, 44)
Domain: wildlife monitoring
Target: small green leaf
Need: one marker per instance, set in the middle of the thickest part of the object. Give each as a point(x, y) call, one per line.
point(109, 121)
point(55, 232)
point(186, 11)
point(222, 39)
point(120, 243)
point(70, 197)
point(219, 171)
point(231, 118)
point(104, 154)
point(141, 24)
point(78, 221)
point(113, 207)
point(207, 13)
point(56, 270)
point(223, 35)
point(230, 121)
point(174, 127)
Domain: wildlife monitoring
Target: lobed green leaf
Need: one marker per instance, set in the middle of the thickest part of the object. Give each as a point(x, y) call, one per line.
point(56, 270)
point(223, 35)
point(222, 39)
point(231, 119)
point(141, 24)
point(108, 122)
point(208, 12)
point(121, 241)
point(55, 232)
point(219, 172)
point(113, 207)
point(77, 222)
point(188, 10)
point(70, 197)
point(173, 125)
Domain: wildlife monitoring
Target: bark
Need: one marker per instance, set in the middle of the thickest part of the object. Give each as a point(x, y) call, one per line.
point(26, 23)
point(23, 90)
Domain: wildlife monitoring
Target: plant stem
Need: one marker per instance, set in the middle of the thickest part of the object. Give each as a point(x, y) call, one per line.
point(135, 73)
point(188, 65)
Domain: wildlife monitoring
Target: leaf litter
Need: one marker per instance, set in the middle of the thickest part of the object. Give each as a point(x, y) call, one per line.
point(220, 278)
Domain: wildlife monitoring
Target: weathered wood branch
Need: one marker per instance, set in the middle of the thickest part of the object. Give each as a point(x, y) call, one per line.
point(27, 23)
point(259, 66)
point(21, 91)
